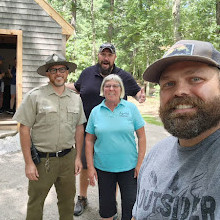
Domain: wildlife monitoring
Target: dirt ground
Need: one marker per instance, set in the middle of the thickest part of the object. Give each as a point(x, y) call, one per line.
point(149, 107)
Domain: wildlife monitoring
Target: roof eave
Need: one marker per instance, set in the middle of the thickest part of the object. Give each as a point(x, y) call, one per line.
point(67, 29)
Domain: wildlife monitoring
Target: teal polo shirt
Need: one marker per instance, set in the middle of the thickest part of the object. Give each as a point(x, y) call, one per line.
point(115, 147)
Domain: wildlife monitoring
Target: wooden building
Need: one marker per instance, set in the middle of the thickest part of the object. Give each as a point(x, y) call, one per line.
point(30, 30)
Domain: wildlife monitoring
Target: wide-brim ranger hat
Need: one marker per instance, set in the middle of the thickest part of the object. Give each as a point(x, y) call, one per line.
point(183, 50)
point(109, 46)
point(55, 59)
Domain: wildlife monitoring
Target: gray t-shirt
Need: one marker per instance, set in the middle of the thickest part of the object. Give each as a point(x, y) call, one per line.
point(180, 182)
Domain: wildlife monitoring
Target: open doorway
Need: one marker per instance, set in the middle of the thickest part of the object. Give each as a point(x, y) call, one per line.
point(8, 66)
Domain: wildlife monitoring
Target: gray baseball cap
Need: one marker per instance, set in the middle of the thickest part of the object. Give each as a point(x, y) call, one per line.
point(183, 50)
point(55, 59)
point(109, 46)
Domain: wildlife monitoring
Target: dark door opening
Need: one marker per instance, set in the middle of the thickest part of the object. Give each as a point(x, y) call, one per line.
point(8, 45)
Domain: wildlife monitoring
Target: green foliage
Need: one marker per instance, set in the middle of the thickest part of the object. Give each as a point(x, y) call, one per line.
point(199, 21)
point(63, 7)
point(157, 90)
point(140, 29)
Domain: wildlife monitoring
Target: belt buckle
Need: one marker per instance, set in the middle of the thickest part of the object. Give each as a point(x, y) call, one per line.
point(57, 153)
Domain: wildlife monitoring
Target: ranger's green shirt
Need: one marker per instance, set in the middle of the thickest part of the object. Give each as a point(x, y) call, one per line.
point(52, 118)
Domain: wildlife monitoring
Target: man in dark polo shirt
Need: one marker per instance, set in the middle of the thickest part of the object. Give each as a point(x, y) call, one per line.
point(88, 85)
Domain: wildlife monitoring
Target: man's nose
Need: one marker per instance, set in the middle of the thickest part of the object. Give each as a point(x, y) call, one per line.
point(106, 57)
point(58, 73)
point(182, 89)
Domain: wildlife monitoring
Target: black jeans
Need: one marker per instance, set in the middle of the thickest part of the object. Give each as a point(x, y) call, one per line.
point(107, 193)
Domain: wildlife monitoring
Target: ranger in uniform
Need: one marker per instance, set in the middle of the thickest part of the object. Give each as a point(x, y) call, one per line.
point(52, 118)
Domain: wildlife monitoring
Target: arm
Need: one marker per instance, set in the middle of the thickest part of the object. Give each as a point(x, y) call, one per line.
point(140, 96)
point(90, 140)
point(25, 139)
point(141, 149)
point(2, 75)
point(9, 71)
point(79, 144)
point(71, 86)
point(133, 218)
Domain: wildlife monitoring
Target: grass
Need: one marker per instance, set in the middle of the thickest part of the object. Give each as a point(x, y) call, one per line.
point(152, 120)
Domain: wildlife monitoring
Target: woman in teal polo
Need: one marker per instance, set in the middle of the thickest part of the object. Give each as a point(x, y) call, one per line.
point(111, 150)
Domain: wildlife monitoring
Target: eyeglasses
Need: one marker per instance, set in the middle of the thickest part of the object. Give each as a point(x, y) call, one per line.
point(113, 86)
point(61, 70)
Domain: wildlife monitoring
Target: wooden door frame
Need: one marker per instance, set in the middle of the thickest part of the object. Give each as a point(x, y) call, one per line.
point(19, 57)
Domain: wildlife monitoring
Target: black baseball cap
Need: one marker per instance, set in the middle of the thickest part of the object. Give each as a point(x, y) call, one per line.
point(109, 46)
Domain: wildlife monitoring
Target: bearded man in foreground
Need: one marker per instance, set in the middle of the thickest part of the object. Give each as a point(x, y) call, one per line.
point(180, 177)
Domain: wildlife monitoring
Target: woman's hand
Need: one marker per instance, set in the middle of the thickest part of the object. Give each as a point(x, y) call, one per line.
point(136, 171)
point(92, 174)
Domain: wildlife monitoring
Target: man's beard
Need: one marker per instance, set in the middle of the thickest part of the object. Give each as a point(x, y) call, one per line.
point(190, 125)
point(105, 72)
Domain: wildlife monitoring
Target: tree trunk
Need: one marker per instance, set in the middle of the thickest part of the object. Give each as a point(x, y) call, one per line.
point(218, 15)
point(73, 20)
point(176, 19)
point(133, 62)
point(147, 84)
point(141, 5)
point(93, 34)
point(110, 27)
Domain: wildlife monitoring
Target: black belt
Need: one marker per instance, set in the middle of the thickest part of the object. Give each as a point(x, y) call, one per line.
point(55, 154)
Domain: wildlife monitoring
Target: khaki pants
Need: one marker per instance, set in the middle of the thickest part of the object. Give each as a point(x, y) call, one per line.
point(61, 174)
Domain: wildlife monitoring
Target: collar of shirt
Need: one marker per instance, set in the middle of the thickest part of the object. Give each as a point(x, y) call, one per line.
point(51, 91)
point(122, 102)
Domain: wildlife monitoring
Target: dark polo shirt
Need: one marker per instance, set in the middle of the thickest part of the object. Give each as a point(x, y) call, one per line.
point(89, 84)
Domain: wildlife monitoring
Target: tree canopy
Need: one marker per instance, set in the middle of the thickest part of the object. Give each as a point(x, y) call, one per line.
point(141, 30)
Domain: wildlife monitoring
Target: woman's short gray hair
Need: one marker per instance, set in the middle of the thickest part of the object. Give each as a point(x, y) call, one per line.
point(115, 78)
